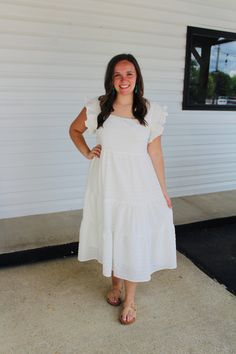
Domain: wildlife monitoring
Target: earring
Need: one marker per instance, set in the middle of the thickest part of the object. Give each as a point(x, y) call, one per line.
point(113, 90)
point(136, 89)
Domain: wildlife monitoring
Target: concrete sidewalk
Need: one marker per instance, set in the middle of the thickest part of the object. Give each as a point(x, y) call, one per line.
point(58, 307)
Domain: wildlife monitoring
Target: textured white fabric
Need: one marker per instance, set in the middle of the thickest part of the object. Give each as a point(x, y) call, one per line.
point(92, 110)
point(126, 225)
point(158, 120)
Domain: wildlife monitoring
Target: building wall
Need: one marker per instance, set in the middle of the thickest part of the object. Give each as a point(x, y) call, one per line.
point(53, 58)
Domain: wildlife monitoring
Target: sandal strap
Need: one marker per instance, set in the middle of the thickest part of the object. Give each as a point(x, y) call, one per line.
point(127, 308)
point(131, 306)
point(112, 292)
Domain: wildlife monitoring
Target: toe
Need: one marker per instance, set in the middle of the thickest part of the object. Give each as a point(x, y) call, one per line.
point(125, 317)
point(129, 317)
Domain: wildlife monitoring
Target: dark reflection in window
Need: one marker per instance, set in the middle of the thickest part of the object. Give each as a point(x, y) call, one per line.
point(210, 70)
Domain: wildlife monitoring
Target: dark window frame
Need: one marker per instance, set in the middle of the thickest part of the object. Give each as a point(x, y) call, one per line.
point(205, 32)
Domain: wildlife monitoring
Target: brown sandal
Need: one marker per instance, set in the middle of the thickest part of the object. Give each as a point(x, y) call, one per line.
point(116, 299)
point(131, 308)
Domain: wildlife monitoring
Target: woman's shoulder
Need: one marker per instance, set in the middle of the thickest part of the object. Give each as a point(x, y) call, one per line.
point(92, 110)
point(93, 104)
point(92, 100)
point(156, 108)
point(154, 105)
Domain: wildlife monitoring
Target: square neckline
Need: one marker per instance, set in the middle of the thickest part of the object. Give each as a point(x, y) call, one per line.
point(114, 115)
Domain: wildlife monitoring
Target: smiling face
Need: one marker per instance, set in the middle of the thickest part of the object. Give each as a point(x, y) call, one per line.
point(124, 77)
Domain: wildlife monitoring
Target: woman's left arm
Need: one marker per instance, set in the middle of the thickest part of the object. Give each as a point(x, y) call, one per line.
point(154, 149)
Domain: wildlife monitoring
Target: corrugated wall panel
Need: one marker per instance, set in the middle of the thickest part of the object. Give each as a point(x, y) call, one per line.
point(53, 58)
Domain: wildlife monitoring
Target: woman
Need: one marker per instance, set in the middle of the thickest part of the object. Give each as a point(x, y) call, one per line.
point(127, 222)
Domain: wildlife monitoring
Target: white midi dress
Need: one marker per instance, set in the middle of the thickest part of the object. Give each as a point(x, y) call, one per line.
point(126, 224)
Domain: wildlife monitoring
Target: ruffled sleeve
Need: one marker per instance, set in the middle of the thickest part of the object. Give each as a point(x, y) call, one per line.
point(158, 116)
point(92, 111)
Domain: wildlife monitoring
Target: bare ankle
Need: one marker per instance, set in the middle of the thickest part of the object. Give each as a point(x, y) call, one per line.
point(116, 282)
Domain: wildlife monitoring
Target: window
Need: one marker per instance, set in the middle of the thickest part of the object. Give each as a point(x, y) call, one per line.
point(210, 70)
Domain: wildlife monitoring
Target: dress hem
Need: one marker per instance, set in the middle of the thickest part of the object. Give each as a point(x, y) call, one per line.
point(108, 275)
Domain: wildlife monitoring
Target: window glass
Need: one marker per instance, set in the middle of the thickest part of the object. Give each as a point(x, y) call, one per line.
point(210, 70)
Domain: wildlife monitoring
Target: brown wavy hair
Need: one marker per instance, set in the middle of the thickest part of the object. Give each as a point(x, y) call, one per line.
point(140, 103)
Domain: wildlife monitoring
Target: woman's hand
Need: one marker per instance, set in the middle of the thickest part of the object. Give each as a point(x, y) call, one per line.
point(168, 200)
point(96, 151)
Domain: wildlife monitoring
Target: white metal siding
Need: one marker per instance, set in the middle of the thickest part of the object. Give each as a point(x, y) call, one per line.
point(53, 56)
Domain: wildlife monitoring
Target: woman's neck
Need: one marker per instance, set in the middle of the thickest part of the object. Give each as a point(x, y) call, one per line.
point(124, 100)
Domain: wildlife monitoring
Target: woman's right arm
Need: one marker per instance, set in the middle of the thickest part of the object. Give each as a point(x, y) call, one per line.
point(76, 131)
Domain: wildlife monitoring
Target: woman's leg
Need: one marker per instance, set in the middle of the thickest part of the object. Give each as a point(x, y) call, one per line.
point(114, 295)
point(128, 314)
point(130, 290)
point(116, 282)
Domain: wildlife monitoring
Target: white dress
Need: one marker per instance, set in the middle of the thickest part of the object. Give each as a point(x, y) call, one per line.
point(126, 224)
